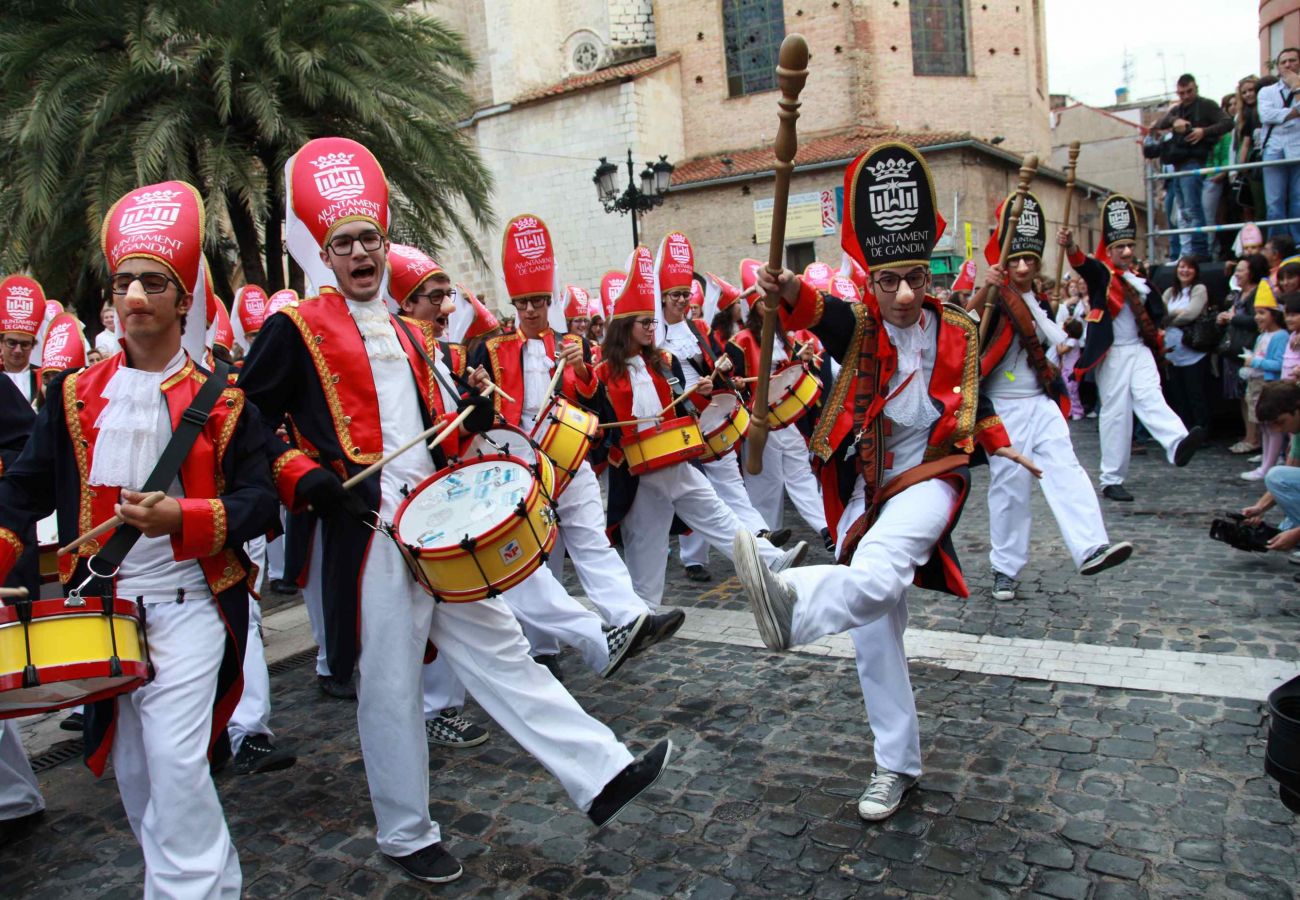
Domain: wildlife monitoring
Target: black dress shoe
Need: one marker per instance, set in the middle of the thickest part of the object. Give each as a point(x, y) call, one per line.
point(1116, 492)
point(627, 785)
point(698, 573)
point(258, 755)
point(827, 541)
point(339, 690)
point(552, 663)
point(778, 538)
point(1188, 446)
point(74, 722)
point(281, 586)
point(13, 830)
point(433, 864)
point(662, 627)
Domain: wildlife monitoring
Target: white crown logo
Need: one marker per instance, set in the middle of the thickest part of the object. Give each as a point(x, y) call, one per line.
point(166, 195)
point(526, 223)
point(889, 169)
point(20, 290)
point(330, 160)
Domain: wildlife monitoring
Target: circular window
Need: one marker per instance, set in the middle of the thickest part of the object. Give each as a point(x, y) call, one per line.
point(585, 56)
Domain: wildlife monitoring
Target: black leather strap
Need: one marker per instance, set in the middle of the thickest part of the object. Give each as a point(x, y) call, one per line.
point(424, 354)
point(169, 463)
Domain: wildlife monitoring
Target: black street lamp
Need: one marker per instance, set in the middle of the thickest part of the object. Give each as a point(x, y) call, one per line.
point(656, 179)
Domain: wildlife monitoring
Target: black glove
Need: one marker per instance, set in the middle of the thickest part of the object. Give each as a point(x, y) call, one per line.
point(322, 490)
point(482, 412)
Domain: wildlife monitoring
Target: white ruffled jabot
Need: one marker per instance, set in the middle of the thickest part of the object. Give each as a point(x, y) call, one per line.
point(376, 329)
point(129, 441)
point(911, 406)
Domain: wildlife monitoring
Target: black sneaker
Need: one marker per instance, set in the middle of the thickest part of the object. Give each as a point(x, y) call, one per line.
point(827, 541)
point(74, 722)
point(258, 755)
point(778, 538)
point(1188, 446)
point(281, 586)
point(624, 639)
point(1106, 556)
point(219, 755)
point(662, 627)
point(551, 662)
point(14, 830)
point(433, 864)
point(1116, 492)
point(339, 690)
point(627, 785)
point(1004, 587)
point(450, 729)
point(698, 573)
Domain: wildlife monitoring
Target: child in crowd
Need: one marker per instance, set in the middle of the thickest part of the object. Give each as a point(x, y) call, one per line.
point(1068, 353)
point(1291, 355)
point(1263, 365)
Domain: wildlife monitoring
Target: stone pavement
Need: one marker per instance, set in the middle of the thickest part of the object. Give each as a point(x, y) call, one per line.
point(1037, 782)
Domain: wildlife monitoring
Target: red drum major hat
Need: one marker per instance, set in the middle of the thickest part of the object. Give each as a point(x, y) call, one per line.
point(818, 275)
point(577, 302)
point(408, 268)
point(718, 295)
point(697, 294)
point(749, 273)
point(251, 308)
point(527, 258)
point(279, 300)
point(674, 263)
point(638, 295)
point(65, 345)
point(611, 285)
point(1029, 237)
point(22, 305)
point(329, 182)
point(845, 288)
point(470, 318)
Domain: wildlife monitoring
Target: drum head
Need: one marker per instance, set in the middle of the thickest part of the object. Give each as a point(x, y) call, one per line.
point(465, 501)
point(784, 379)
point(720, 409)
point(502, 440)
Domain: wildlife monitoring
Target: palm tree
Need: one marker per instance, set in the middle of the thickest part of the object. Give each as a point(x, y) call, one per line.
point(97, 97)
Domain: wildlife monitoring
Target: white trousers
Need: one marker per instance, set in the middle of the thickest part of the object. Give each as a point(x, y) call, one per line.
point(19, 793)
point(160, 758)
point(441, 688)
point(1038, 430)
point(729, 485)
point(869, 599)
point(601, 571)
point(313, 599)
point(482, 644)
point(1128, 384)
point(786, 470)
point(252, 714)
point(550, 617)
point(275, 555)
point(680, 489)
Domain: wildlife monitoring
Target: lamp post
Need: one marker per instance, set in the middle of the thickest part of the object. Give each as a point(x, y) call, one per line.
point(656, 178)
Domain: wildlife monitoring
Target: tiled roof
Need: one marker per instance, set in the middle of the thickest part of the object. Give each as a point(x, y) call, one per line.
point(822, 148)
point(616, 73)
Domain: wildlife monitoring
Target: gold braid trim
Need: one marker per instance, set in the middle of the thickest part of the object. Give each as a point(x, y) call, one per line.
point(236, 571)
point(967, 409)
point(986, 423)
point(11, 539)
point(284, 459)
point(494, 357)
point(72, 416)
point(326, 378)
point(843, 383)
point(218, 526)
point(234, 400)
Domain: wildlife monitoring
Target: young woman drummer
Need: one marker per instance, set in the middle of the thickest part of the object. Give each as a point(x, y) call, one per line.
point(638, 382)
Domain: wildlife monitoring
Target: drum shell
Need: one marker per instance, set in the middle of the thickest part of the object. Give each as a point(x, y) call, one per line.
point(794, 400)
point(47, 534)
point(725, 437)
point(564, 432)
point(666, 444)
point(71, 648)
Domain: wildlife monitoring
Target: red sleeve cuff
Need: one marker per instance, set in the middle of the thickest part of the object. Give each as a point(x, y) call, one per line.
point(287, 471)
point(807, 311)
point(1076, 258)
point(586, 390)
point(11, 547)
point(203, 529)
point(991, 434)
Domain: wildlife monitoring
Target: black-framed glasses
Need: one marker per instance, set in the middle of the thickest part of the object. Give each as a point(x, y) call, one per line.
point(647, 323)
point(19, 345)
point(152, 282)
point(341, 245)
point(435, 296)
point(677, 295)
point(890, 282)
point(524, 303)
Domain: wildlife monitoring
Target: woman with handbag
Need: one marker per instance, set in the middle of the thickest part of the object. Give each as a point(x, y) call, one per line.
point(1238, 320)
point(1189, 368)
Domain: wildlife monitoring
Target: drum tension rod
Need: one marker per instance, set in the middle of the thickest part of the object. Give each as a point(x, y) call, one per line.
point(522, 512)
point(31, 678)
point(114, 661)
point(468, 544)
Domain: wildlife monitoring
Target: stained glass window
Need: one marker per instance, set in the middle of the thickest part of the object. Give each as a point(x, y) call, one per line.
point(939, 37)
point(752, 34)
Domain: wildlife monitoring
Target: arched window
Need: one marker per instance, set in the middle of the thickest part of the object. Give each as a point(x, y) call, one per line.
point(939, 37)
point(752, 34)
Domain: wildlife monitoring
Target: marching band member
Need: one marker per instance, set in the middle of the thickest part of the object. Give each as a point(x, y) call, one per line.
point(93, 448)
point(1029, 397)
point(1122, 343)
point(689, 341)
point(639, 381)
point(356, 385)
point(893, 444)
point(22, 311)
point(577, 311)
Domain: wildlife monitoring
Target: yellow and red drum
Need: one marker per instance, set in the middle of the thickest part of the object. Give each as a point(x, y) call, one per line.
point(724, 424)
point(792, 394)
point(665, 444)
point(564, 432)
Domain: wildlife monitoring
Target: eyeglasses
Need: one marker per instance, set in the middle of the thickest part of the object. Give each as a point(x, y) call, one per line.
point(342, 244)
point(530, 303)
point(647, 323)
point(435, 296)
point(677, 295)
point(19, 345)
point(890, 282)
point(152, 282)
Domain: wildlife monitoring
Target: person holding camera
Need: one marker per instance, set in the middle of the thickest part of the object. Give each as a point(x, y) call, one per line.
point(1279, 409)
point(1279, 118)
point(1195, 124)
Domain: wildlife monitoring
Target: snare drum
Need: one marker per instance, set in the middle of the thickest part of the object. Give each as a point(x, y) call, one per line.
point(668, 443)
point(511, 441)
point(564, 432)
point(47, 536)
point(792, 392)
point(724, 424)
point(477, 528)
point(68, 653)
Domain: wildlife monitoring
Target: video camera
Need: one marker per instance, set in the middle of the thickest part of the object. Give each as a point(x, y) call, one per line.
point(1233, 530)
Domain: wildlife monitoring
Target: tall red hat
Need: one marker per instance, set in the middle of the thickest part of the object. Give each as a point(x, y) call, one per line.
point(611, 285)
point(697, 294)
point(164, 223)
point(577, 302)
point(329, 182)
point(818, 275)
point(220, 332)
point(638, 295)
point(527, 258)
point(22, 305)
point(470, 318)
point(845, 288)
point(52, 308)
point(65, 345)
point(279, 300)
point(408, 268)
point(719, 295)
point(251, 308)
point(674, 263)
point(966, 279)
point(749, 273)
point(853, 270)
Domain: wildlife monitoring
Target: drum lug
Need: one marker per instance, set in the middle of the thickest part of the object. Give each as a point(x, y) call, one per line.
point(30, 677)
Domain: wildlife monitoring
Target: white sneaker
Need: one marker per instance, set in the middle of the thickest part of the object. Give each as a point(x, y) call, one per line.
point(1253, 475)
point(884, 795)
point(1258, 457)
point(771, 599)
point(1294, 557)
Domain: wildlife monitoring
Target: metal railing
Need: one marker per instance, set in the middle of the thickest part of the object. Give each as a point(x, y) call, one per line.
point(1154, 175)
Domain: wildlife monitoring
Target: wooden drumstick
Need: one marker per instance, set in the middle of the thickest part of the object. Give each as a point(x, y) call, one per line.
point(423, 436)
point(607, 425)
point(1070, 166)
point(791, 75)
point(679, 398)
point(492, 388)
point(1027, 170)
point(109, 524)
point(13, 593)
point(555, 381)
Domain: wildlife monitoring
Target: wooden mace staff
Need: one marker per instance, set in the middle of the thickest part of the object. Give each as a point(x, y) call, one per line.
point(1027, 170)
point(791, 74)
point(1071, 163)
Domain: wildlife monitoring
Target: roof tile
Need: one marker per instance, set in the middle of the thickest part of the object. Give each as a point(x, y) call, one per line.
point(600, 76)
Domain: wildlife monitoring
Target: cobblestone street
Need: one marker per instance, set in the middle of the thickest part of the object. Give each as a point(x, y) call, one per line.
point(1048, 786)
